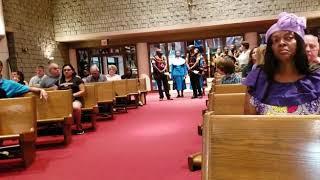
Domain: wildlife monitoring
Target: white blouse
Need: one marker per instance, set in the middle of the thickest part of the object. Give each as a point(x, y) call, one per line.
point(113, 78)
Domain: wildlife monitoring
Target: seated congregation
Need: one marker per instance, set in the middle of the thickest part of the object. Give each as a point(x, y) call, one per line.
point(266, 126)
point(59, 105)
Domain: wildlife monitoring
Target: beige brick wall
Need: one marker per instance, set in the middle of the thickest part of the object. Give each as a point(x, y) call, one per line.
point(32, 24)
point(91, 16)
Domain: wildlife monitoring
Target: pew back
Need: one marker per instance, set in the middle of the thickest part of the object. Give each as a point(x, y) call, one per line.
point(104, 91)
point(230, 88)
point(261, 147)
point(228, 104)
point(132, 86)
point(57, 106)
point(17, 115)
point(90, 98)
point(120, 88)
point(142, 85)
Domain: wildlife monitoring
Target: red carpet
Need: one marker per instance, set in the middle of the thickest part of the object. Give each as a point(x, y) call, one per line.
point(148, 143)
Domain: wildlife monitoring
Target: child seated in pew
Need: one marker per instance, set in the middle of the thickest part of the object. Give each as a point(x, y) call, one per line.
point(70, 80)
point(284, 84)
point(226, 67)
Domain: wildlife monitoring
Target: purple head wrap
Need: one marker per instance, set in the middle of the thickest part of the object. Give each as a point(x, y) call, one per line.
point(288, 22)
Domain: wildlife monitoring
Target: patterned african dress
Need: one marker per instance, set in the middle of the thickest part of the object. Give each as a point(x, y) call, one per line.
point(274, 98)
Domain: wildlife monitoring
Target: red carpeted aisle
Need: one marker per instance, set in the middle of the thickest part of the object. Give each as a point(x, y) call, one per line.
point(148, 143)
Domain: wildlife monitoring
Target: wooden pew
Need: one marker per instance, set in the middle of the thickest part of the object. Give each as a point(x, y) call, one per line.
point(210, 103)
point(220, 104)
point(228, 104)
point(251, 147)
point(229, 88)
point(18, 121)
point(142, 87)
point(221, 89)
point(132, 91)
point(56, 110)
point(105, 96)
point(225, 104)
point(224, 89)
point(121, 96)
point(90, 104)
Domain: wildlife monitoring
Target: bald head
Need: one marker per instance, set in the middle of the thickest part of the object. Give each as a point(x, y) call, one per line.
point(54, 69)
point(312, 47)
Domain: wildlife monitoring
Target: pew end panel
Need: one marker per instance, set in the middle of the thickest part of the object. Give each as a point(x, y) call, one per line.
point(18, 122)
point(121, 96)
point(143, 91)
point(261, 147)
point(105, 97)
point(132, 91)
point(28, 146)
point(90, 104)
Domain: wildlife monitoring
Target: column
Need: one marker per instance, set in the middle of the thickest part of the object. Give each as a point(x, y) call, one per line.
point(4, 55)
point(73, 59)
point(2, 26)
point(143, 62)
point(252, 38)
point(4, 52)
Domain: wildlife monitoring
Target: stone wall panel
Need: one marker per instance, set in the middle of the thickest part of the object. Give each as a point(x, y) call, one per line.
point(90, 16)
point(33, 27)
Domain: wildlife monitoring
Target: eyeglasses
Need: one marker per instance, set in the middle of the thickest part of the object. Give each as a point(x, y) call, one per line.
point(67, 70)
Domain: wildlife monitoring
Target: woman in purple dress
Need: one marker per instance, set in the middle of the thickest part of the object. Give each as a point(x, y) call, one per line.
point(284, 84)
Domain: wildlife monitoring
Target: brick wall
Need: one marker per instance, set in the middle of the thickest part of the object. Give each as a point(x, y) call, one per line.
point(33, 31)
point(90, 16)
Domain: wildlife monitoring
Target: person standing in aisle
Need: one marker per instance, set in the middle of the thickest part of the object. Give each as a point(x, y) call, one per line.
point(179, 71)
point(193, 62)
point(159, 64)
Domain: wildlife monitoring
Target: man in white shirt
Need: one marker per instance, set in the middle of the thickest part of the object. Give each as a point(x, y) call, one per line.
point(36, 80)
point(243, 58)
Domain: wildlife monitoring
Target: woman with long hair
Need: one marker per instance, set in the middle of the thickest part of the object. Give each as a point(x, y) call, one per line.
point(252, 61)
point(69, 80)
point(284, 84)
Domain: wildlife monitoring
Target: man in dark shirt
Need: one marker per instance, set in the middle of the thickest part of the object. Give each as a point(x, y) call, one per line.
point(95, 75)
point(159, 64)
